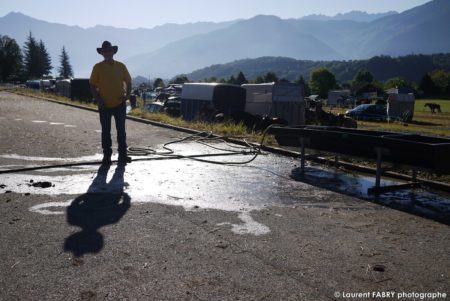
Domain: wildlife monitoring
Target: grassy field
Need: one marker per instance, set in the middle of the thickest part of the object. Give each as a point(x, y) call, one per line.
point(444, 103)
point(424, 122)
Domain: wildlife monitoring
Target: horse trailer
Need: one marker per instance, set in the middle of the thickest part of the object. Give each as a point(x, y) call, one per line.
point(63, 88)
point(80, 89)
point(283, 100)
point(225, 98)
point(401, 106)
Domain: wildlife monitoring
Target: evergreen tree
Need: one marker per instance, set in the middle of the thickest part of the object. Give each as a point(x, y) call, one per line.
point(301, 81)
point(427, 86)
point(270, 77)
point(37, 61)
point(240, 80)
point(65, 70)
point(232, 80)
point(46, 62)
point(10, 59)
point(31, 58)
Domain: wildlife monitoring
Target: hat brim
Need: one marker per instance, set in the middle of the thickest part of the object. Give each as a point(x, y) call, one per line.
point(100, 50)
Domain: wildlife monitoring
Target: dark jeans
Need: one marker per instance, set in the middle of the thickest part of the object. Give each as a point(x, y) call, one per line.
point(120, 115)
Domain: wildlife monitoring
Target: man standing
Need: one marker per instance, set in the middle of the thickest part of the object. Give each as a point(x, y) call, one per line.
point(111, 87)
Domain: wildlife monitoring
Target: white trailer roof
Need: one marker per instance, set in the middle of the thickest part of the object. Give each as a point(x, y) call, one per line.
point(198, 91)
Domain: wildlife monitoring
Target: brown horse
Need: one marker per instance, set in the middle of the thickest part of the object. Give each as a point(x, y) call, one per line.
point(433, 107)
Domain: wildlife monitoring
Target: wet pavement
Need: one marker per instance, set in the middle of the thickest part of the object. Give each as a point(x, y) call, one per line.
point(165, 228)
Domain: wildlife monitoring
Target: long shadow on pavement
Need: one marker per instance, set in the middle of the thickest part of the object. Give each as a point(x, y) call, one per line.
point(103, 204)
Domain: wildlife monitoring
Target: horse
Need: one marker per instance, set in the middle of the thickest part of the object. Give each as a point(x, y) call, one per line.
point(433, 107)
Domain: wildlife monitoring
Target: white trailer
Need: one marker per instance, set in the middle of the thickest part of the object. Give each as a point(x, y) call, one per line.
point(401, 106)
point(258, 100)
point(284, 100)
point(226, 98)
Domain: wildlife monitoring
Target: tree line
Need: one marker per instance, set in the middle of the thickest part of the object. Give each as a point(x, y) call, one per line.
point(321, 80)
point(31, 62)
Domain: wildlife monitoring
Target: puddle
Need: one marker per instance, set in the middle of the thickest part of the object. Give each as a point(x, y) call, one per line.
point(177, 182)
point(416, 200)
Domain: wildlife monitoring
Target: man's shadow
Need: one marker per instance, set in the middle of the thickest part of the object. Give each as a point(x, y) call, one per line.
point(103, 204)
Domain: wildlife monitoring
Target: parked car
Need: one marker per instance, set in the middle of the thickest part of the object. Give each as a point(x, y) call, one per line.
point(172, 106)
point(154, 107)
point(368, 112)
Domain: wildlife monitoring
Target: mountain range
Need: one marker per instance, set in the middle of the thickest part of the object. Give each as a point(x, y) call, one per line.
point(81, 43)
point(172, 49)
point(410, 67)
point(354, 15)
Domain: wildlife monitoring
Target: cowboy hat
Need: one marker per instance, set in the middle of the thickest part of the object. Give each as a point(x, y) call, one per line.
point(106, 45)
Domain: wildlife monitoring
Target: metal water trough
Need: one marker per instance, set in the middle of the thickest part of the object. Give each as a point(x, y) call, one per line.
point(415, 151)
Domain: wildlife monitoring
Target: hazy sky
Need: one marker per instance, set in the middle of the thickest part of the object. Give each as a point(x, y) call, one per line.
point(150, 13)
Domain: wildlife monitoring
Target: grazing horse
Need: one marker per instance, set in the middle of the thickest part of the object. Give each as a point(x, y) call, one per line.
point(433, 107)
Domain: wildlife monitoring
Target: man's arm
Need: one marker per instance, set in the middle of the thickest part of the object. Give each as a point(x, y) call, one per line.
point(127, 80)
point(97, 97)
point(128, 91)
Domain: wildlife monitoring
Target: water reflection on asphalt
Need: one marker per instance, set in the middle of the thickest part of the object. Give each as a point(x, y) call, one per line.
point(270, 180)
point(418, 201)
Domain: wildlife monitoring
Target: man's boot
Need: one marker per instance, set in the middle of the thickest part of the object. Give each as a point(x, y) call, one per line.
point(123, 158)
point(107, 158)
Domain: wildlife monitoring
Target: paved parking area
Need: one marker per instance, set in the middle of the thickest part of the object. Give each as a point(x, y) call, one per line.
point(178, 229)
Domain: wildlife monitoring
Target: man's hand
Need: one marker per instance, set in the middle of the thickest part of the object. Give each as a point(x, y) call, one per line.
point(98, 99)
point(125, 98)
point(128, 91)
point(100, 104)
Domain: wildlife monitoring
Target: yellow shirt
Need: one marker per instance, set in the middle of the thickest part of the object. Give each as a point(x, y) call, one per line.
point(110, 81)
